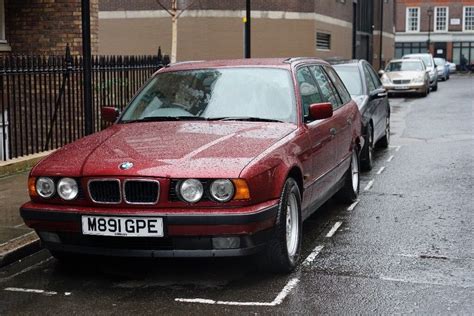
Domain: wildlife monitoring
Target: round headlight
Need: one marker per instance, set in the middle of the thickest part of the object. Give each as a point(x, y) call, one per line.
point(191, 190)
point(222, 190)
point(68, 189)
point(45, 187)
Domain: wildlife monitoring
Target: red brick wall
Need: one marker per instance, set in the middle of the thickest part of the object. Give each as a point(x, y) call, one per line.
point(47, 26)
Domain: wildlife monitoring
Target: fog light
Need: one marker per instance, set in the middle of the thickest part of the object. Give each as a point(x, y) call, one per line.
point(49, 237)
point(225, 242)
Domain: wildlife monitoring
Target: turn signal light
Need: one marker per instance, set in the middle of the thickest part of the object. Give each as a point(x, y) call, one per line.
point(32, 186)
point(242, 191)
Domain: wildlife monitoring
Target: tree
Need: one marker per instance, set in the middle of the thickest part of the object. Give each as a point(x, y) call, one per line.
point(175, 13)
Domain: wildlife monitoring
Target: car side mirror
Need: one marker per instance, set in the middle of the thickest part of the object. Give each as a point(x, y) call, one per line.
point(319, 111)
point(109, 113)
point(381, 72)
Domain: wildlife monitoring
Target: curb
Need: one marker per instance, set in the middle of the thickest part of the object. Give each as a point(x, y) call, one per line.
point(19, 248)
point(17, 165)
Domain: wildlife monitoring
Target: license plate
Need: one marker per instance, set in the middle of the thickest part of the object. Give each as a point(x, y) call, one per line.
point(401, 88)
point(122, 226)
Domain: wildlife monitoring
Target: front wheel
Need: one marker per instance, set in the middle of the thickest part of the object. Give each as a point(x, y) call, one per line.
point(368, 151)
point(385, 140)
point(283, 250)
point(350, 191)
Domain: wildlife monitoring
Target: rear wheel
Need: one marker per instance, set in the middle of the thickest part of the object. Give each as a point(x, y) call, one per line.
point(350, 191)
point(283, 250)
point(368, 151)
point(385, 140)
point(435, 87)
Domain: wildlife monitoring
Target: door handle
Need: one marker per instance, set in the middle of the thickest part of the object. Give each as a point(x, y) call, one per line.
point(333, 131)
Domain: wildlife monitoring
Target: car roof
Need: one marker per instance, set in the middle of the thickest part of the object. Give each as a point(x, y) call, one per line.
point(283, 63)
point(406, 60)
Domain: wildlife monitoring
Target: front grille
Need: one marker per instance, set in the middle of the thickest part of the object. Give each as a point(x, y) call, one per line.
point(105, 191)
point(141, 191)
point(405, 81)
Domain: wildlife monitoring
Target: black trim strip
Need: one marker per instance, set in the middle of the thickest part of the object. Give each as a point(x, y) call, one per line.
point(171, 219)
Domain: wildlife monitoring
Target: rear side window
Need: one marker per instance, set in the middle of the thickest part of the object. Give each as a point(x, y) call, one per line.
point(308, 89)
point(327, 89)
point(374, 76)
point(341, 88)
point(368, 79)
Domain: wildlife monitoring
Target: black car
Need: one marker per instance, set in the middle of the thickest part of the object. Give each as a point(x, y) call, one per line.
point(367, 90)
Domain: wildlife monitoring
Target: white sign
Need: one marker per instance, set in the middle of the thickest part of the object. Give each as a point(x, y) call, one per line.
point(439, 51)
point(455, 21)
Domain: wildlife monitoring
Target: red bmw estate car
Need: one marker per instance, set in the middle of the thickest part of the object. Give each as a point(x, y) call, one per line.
point(218, 158)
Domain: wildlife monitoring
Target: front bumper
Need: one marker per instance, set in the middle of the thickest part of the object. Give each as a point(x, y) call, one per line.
point(187, 234)
point(405, 88)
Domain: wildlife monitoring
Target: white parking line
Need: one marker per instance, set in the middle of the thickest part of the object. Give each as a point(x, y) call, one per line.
point(390, 158)
point(24, 270)
point(36, 291)
point(369, 185)
point(310, 258)
point(19, 225)
point(381, 170)
point(277, 301)
point(333, 229)
point(353, 205)
point(397, 148)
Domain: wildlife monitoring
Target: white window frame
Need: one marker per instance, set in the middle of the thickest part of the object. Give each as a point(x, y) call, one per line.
point(464, 18)
point(435, 22)
point(407, 29)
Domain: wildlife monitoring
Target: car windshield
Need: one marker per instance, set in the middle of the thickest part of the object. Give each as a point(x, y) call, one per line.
point(426, 59)
point(405, 66)
point(439, 61)
point(350, 75)
point(255, 94)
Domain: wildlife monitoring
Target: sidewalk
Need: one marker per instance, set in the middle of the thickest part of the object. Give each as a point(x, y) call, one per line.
point(16, 240)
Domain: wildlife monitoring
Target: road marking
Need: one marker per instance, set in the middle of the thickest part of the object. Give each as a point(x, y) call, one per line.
point(369, 185)
point(425, 282)
point(334, 229)
point(390, 158)
point(18, 289)
point(353, 205)
point(310, 258)
point(381, 170)
point(397, 148)
point(277, 301)
point(19, 225)
point(25, 270)
point(17, 238)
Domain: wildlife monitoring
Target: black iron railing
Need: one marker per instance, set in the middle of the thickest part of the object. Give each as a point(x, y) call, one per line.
point(41, 98)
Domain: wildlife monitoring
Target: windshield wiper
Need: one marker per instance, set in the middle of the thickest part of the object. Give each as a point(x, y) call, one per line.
point(244, 118)
point(166, 118)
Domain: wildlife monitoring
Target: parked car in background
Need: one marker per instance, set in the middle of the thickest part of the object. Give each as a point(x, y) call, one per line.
point(371, 97)
point(430, 66)
point(452, 67)
point(442, 68)
point(217, 158)
point(406, 76)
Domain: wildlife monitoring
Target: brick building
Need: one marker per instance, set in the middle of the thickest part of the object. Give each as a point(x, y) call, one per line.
point(44, 26)
point(447, 27)
point(212, 29)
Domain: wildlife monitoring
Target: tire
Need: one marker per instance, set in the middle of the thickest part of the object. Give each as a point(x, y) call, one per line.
point(350, 191)
point(367, 159)
point(435, 88)
point(283, 250)
point(385, 140)
point(425, 93)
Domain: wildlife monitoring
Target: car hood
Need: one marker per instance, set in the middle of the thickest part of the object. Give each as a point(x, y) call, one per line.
point(404, 75)
point(166, 149)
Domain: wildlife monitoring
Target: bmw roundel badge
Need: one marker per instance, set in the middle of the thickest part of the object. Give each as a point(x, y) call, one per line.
point(126, 165)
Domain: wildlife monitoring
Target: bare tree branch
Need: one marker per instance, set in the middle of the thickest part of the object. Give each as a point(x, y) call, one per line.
point(164, 8)
point(187, 7)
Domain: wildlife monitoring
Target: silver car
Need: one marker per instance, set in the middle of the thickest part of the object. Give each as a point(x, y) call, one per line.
point(406, 75)
point(430, 66)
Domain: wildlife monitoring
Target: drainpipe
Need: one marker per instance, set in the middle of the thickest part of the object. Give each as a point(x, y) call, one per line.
point(381, 34)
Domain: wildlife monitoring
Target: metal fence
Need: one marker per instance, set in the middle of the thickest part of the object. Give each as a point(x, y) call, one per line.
point(41, 98)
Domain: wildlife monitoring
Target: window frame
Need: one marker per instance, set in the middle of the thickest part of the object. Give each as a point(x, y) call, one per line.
point(332, 87)
point(340, 89)
point(435, 20)
point(407, 20)
point(305, 117)
point(3, 39)
point(464, 10)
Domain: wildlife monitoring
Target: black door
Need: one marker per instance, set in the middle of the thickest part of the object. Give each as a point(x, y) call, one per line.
point(440, 49)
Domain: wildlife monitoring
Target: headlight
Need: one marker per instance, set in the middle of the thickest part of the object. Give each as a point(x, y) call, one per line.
point(222, 190)
point(191, 190)
point(419, 79)
point(68, 189)
point(385, 79)
point(45, 187)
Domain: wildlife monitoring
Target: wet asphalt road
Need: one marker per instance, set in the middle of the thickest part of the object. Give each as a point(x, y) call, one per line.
point(406, 247)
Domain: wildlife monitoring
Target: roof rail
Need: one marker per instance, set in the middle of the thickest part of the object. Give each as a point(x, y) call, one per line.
point(293, 59)
point(185, 62)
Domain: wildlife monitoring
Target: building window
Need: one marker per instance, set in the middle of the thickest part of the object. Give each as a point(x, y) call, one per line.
point(2, 22)
point(403, 48)
point(323, 41)
point(441, 19)
point(463, 48)
point(468, 19)
point(413, 20)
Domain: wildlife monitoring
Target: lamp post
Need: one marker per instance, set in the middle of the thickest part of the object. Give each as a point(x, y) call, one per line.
point(430, 13)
